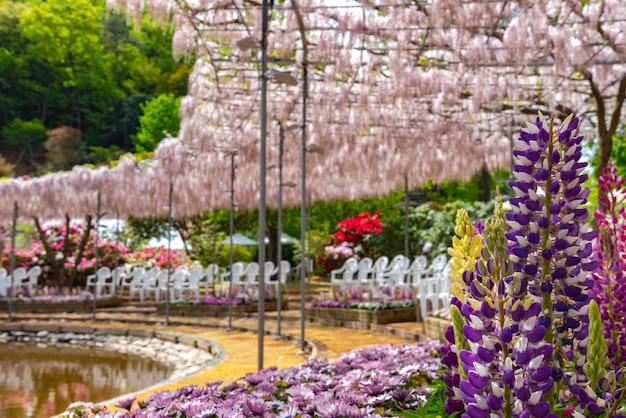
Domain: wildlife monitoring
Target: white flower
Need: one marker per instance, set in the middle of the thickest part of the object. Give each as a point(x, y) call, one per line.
point(58, 256)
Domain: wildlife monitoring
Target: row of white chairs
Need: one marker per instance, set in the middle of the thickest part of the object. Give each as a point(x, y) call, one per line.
point(429, 282)
point(22, 278)
point(153, 282)
point(247, 275)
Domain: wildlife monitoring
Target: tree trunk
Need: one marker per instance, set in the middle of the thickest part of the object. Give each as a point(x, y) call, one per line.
point(606, 131)
point(81, 248)
point(272, 248)
point(50, 256)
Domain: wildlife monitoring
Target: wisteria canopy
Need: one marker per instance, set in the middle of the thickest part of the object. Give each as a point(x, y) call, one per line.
point(423, 89)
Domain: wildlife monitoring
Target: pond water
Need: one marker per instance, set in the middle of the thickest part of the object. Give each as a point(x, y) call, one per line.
point(37, 381)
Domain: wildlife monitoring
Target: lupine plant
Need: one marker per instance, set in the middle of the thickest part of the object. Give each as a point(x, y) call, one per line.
point(521, 317)
point(610, 251)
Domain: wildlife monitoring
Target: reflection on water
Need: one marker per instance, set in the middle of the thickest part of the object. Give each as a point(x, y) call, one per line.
point(42, 381)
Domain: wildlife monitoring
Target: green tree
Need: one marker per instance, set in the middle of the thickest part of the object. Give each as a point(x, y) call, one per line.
point(160, 117)
point(175, 82)
point(27, 135)
point(619, 151)
point(66, 35)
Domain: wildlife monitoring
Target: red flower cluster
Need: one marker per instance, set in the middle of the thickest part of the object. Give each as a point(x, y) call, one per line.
point(355, 231)
point(358, 228)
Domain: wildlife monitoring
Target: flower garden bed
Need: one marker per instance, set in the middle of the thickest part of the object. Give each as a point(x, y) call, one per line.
point(376, 381)
point(51, 306)
point(216, 310)
point(435, 328)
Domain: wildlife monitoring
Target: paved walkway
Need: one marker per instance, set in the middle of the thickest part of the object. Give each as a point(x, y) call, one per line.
point(240, 345)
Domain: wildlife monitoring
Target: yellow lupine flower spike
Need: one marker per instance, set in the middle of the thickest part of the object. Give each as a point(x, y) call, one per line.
point(465, 249)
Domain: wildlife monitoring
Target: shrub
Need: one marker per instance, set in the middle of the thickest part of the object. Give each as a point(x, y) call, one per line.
point(63, 147)
point(160, 117)
point(6, 168)
point(351, 239)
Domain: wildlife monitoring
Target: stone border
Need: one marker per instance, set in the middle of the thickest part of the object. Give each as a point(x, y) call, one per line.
point(435, 328)
point(85, 334)
point(361, 319)
point(216, 311)
point(82, 306)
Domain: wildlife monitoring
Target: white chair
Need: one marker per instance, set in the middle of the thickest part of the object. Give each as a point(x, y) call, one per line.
point(282, 273)
point(101, 280)
point(135, 284)
point(237, 274)
point(119, 275)
point(210, 275)
point(396, 272)
point(157, 285)
point(270, 275)
point(438, 264)
point(433, 286)
point(5, 282)
point(191, 282)
point(417, 270)
point(20, 277)
point(178, 284)
point(152, 273)
point(347, 272)
point(379, 268)
point(33, 278)
point(251, 275)
point(363, 273)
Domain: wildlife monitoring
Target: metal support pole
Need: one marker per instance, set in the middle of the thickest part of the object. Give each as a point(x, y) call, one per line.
point(214, 244)
point(279, 246)
point(406, 217)
point(117, 251)
point(12, 265)
point(95, 287)
point(303, 255)
point(309, 222)
point(169, 255)
point(262, 174)
point(231, 231)
point(214, 256)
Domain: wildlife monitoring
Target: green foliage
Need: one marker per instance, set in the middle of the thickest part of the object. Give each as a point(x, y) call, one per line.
point(101, 155)
point(137, 232)
point(6, 168)
point(205, 242)
point(27, 134)
point(175, 82)
point(434, 405)
point(619, 151)
point(66, 33)
point(479, 188)
point(326, 215)
point(429, 222)
point(160, 117)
